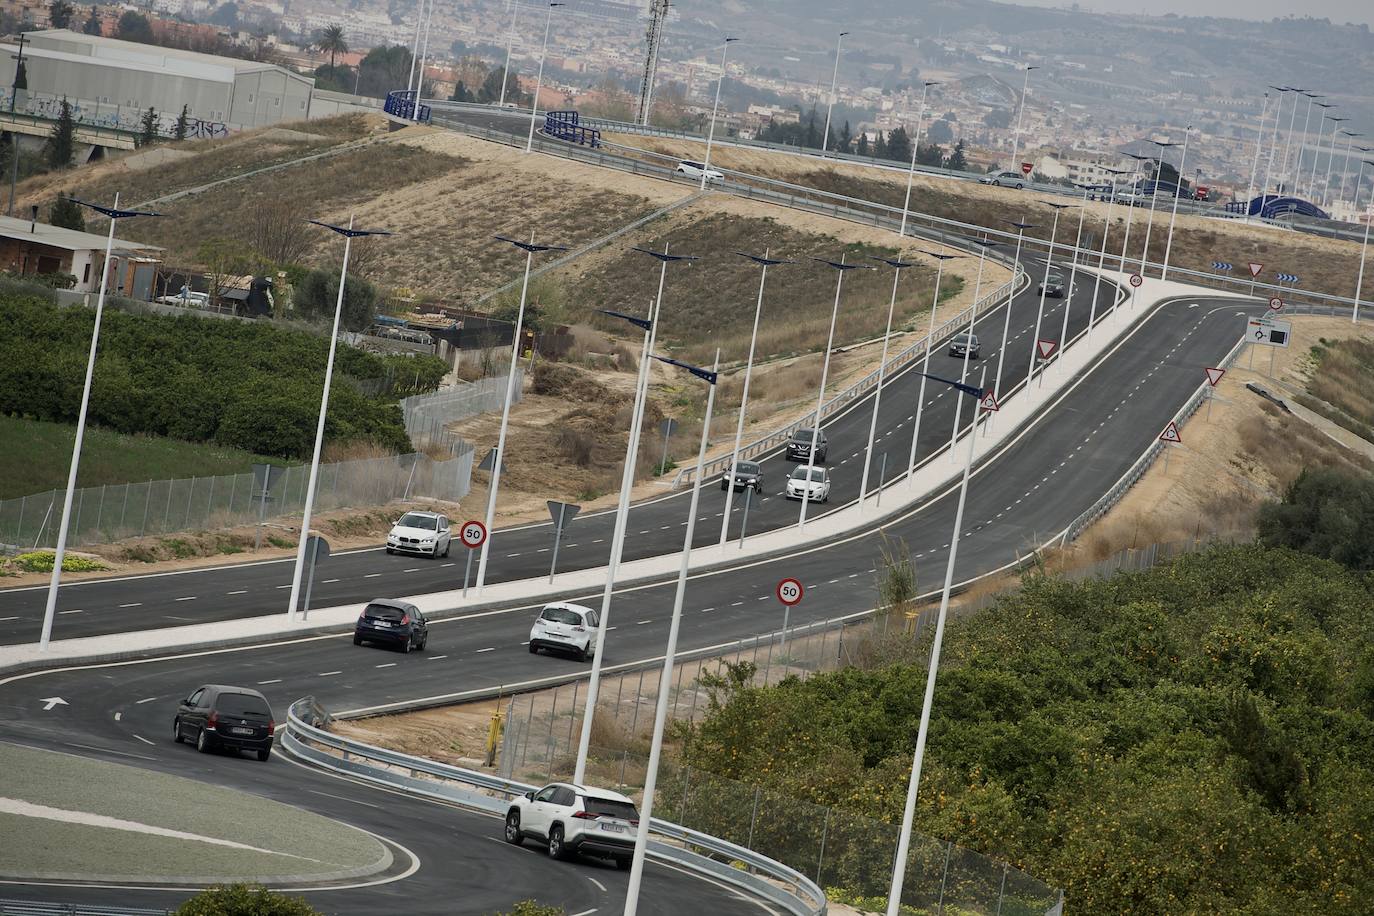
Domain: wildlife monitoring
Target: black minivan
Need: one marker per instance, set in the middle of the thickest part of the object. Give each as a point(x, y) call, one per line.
point(397, 623)
point(233, 718)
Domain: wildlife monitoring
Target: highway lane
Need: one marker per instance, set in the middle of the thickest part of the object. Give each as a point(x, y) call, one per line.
point(99, 606)
point(1027, 490)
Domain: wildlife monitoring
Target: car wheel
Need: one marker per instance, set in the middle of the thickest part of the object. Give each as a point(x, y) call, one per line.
point(424, 641)
point(264, 754)
point(407, 645)
point(1019, 186)
point(556, 848)
point(447, 545)
point(585, 654)
point(357, 640)
point(202, 742)
point(176, 730)
point(513, 834)
point(389, 550)
point(534, 649)
point(623, 863)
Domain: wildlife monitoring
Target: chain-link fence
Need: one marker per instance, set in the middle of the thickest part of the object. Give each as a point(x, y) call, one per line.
point(109, 513)
point(428, 415)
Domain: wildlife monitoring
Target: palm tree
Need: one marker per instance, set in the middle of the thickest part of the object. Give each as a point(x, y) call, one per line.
point(331, 40)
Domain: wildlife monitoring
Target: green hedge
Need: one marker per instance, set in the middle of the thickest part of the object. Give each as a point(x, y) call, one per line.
point(250, 385)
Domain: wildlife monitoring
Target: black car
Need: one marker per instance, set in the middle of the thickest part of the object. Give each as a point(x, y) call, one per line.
point(397, 623)
point(963, 343)
point(747, 474)
point(799, 446)
point(1053, 285)
point(232, 718)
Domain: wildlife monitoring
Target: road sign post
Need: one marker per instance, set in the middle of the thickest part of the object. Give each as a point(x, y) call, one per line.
point(789, 592)
point(318, 549)
point(1170, 438)
point(562, 516)
point(1213, 377)
point(1137, 280)
point(1275, 303)
point(473, 534)
point(1255, 270)
point(744, 522)
point(667, 427)
point(264, 475)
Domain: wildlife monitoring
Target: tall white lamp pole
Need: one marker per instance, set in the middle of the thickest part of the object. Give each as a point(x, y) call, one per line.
point(1020, 113)
point(830, 105)
point(915, 145)
point(711, 131)
point(1254, 168)
point(1359, 283)
point(940, 260)
point(1173, 214)
point(50, 609)
point(897, 266)
point(1011, 297)
point(510, 43)
point(539, 80)
point(1044, 290)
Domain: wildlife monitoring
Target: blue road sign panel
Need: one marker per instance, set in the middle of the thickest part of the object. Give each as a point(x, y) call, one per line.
point(1288, 278)
point(1221, 265)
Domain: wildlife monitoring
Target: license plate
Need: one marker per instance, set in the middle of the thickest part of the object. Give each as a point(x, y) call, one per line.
point(241, 731)
point(380, 623)
point(613, 828)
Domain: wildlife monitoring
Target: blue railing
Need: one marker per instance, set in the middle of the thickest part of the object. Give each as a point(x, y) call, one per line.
point(564, 125)
point(400, 103)
point(1273, 206)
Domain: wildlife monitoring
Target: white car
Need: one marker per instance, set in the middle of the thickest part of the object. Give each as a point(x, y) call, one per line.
point(574, 819)
point(187, 298)
point(566, 627)
point(420, 532)
point(693, 169)
point(819, 484)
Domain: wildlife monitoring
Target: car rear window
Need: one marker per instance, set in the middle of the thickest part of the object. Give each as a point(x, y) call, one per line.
point(612, 808)
point(241, 704)
point(561, 615)
point(383, 612)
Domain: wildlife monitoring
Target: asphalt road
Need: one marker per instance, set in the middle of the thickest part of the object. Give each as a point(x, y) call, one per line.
point(100, 606)
point(1028, 489)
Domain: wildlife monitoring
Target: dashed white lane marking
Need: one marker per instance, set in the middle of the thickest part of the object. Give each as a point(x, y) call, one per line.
point(8, 618)
point(288, 585)
point(387, 665)
point(345, 798)
point(371, 575)
point(242, 591)
point(148, 700)
point(133, 604)
point(599, 885)
point(447, 564)
point(487, 649)
point(328, 581)
point(642, 622)
point(329, 673)
point(144, 740)
point(80, 610)
point(187, 598)
point(736, 603)
point(118, 716)
point(412, 569)
point(275, 680)
point(512, 555)
point(435, 658)
point(705, 609)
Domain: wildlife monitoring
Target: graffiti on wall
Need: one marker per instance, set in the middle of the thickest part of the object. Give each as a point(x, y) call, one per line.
point(111, 117)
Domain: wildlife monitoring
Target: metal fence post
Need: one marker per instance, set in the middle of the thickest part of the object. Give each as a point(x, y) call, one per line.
point(80, 504)
point(940, 906)
point(100, 510)
point(190, 497)
point(686, 781)
point(1001, 891)
point(753, 818)
point(639, 695)
point(619, 692)
point(553, 711)
point(167, 516)
point(820, 860)
point(572, 712)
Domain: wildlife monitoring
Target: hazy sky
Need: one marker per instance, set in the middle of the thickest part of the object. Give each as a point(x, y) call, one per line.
point(1335, 10)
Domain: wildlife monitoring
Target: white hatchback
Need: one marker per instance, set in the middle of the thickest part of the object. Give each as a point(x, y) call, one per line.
point(566, 627)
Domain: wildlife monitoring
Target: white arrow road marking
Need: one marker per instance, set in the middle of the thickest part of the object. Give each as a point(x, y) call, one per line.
point(50, 702)
point(86, 818)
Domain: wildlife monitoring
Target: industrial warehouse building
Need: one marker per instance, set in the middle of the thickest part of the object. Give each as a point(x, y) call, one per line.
point(106, 76)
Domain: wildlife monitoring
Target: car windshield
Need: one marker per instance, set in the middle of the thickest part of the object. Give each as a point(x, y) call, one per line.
point(963, 338)
point(803, 435)
point(241, 704)
point(561, 615)
point(416, 520)
point(1056, 278)
point(747, 467)
point(817, 474)
point(383, 612)
point(612, 808)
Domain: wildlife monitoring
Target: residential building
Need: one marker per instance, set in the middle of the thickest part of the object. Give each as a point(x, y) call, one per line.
point(28, 247)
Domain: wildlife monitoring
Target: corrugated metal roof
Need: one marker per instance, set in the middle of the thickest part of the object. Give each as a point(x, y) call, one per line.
point(66, 239)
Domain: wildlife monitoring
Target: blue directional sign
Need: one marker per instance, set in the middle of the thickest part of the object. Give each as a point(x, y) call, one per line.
point(1288, 278)
point(1221, 265)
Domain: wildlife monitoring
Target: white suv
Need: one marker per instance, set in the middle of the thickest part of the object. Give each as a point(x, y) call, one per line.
point(574, 819)
point(420, 532)
point(569, 627)
point(693, 169)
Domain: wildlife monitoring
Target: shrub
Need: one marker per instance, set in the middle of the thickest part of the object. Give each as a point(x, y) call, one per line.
point(244, 900)
point(42, 561)
point(532, 908)
point(1325, 512)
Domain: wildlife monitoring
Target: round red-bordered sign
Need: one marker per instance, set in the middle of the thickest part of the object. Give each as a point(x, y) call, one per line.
point(1136, 280)
point(473, 534)
point(790, 591)
point(1276, 303)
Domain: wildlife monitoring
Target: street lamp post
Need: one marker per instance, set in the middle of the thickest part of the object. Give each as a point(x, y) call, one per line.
point(940, 260)
point(830, 104)
point(984, 245)
point(1345, 166)
point(1154, 195)
point(539, 80)
point(1073, 280)
point(764, 262)
point(1302, 144)
point(424, 52)
point(1020, 113)
point(1254, 168)
point(1102, 255)
point(627, 476)
point(1011, 297)
point(50, 609)
point(415, 48)
point(916, 144)
point(1359, 283)
point(1130, 209)
point(840, 268)
point(510, 43)
point(14, 136)
point(894, 895)
point(711, 131)
point(646, 807)
point(349, 234)
point(1316, 154)
point(1331, 162)
point(1288, 142)
point(1273, 144)
point(1044, 289)
point(897, 265)
point(499, 456)
point(1173, 214)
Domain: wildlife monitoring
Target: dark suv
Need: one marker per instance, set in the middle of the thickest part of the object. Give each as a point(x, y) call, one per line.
point(397, 623)
point(233, 718)
point(799, 446)
point(1052, 285)
point(747, 474)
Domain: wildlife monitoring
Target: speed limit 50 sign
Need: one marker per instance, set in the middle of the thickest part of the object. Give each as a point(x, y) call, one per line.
point(790, 591)
point(473, 534)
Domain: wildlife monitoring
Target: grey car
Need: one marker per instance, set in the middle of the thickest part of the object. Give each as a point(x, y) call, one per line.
point(1004, 179)
point(963, 343)
point(1053, 285)
point(747, 474)
point(799, 446)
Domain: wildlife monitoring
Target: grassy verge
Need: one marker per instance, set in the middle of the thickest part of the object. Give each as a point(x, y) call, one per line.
point(38, 453)
point(1342, 384)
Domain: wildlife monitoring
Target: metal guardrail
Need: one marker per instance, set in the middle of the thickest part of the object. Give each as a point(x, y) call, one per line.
point(854, 392)
point(40, 908)
point(400, 103)
point(686, 848)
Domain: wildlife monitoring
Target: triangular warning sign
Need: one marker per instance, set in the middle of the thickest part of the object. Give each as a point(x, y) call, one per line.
point(1255, 269)
point(1214, 375)
point(989, 401)
point(1046, 347)
point(1170, 434)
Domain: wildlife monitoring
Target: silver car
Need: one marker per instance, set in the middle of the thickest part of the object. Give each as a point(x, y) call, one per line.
point(1004, 179)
